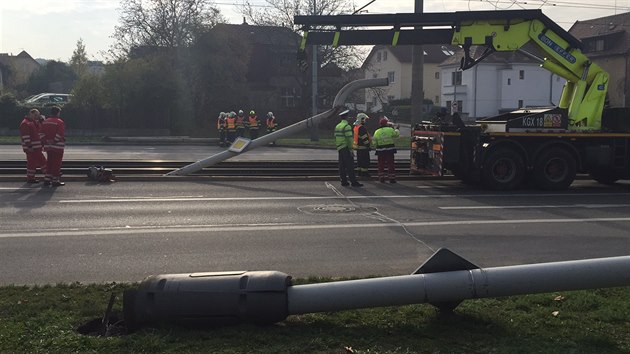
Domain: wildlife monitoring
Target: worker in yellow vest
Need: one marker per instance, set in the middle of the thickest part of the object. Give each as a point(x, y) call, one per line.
point(272, 125)
point(344, 140)
point(384, 139)
point(221, 128)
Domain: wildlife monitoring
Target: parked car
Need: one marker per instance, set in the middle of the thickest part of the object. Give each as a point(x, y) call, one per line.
point(48, 99)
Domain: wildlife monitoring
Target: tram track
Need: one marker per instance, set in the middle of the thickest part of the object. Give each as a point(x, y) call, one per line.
point(157, 168)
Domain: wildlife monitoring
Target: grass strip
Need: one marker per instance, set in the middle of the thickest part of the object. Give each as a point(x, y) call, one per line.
point(43, 319)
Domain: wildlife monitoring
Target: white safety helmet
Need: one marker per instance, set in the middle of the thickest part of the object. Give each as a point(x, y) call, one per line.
point(270, 114)
point(362, 117)
point(222, 115)
point(240, 112)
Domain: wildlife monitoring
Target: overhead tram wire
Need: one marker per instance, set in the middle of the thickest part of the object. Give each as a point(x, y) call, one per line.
point(237, 4)
point(549, 3)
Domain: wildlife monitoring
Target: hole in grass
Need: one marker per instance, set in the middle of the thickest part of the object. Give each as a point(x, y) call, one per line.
point(115, 326)
point(111, 324)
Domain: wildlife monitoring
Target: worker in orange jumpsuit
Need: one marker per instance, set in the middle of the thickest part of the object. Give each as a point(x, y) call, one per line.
point(230, 126)
point(253, 124)
point(32, 145)
point(54, 138)
point(362, 142)
point(240, 123)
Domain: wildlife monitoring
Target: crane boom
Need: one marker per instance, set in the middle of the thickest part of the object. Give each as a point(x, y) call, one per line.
point(583, 96)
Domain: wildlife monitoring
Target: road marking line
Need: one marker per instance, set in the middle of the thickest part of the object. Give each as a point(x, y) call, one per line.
point(127, 230)
point(35, 187)
point(420, 196)
point(587, 206)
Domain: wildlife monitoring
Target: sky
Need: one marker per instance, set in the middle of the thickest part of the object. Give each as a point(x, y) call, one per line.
point(50, 29)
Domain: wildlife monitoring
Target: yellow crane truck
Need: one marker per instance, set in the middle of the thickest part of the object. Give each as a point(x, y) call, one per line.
point(545, 147)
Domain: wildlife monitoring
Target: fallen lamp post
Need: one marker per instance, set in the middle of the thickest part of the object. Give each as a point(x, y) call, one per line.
point(265, 297)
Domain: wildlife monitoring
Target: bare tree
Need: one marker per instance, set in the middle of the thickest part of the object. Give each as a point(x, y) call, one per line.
point(281, 12)
point(162, 23)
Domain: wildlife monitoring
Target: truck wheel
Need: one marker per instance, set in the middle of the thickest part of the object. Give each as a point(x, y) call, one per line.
point(554, 169)
point(503, 169)
point(605, 176)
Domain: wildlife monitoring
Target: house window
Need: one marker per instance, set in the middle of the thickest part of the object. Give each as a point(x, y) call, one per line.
point(449, 106)
point(520, 103)
point(456, 78)
point(521, 74)
point(390, 98)
point(509, 82)
point(437, 75)
point(384, 55)
point(391, 76)
point(289, 97)
point(599, 45)
point(378, 57)
point(595, 45)
point(437, 100)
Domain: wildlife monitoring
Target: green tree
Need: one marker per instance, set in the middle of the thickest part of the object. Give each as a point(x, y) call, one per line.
point(141, 92)
point(153, 80)
point(11, 112)
point(88, 101)
point(79, 60)
point(217, 77)
point(55, 76)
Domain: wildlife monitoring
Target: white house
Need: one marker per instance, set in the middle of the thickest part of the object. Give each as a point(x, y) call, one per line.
point(394, 63)
point(500, 83)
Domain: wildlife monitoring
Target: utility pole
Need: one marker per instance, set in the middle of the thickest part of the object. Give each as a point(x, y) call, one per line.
point(417, 75)
point(314, 130)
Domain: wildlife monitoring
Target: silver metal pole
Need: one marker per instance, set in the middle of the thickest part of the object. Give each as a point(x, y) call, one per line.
point(314, 68)
point(444, 280)
point(417, 75)
point(264, 140)
point(456, 286)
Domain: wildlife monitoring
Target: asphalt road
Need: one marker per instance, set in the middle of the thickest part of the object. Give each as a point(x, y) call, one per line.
point(128, 230)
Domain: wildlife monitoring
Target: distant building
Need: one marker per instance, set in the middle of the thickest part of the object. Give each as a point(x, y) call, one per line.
point(394, 63)
point(606, 42)
point(96, 67)
point(274, 81)
point(502, 82)
point(16, 69)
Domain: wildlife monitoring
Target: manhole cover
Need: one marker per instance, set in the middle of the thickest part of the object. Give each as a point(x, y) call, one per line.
point(335, 209)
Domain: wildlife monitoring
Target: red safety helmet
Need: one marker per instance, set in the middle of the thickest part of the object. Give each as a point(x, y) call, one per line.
point(383, 121)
